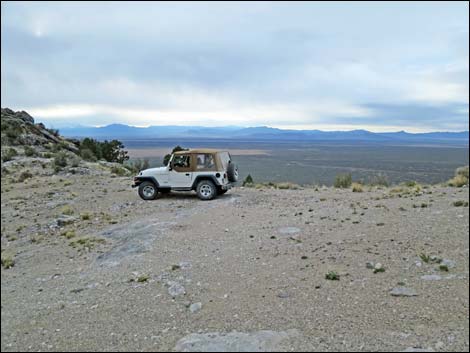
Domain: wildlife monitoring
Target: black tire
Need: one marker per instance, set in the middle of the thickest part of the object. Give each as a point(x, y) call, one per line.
point(206, 190)
point(232, 172)
point(148, 191)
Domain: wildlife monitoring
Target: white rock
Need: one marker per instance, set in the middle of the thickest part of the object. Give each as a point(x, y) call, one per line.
point(195, 307)
point(403, 292)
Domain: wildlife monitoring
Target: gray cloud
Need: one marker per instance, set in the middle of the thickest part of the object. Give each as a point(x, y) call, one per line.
point(307, 64)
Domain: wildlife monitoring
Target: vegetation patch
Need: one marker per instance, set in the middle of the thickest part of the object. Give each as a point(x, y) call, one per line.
point(287, 186)
point(332, 276)
point(60, 160)
point(120, 171)
point(343, 181)
point(460, 203)
point(69, 234)
point(248, 181)
point(430, 259)
point(85, 216)
point(86, 243)
point(7, 261)
point(143, 278)
point(461, 177)
point(357, 187)
point(67, 210)
point(26, 174)
point(444, 268)
point(379, 180)
point(29, 151)
point(8, 154)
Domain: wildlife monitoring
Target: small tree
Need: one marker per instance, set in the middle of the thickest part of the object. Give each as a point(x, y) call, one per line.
point(248, 180)
point(113, 151)
point(167, 157)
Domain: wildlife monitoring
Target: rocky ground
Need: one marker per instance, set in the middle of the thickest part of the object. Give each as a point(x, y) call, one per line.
point(96, 268)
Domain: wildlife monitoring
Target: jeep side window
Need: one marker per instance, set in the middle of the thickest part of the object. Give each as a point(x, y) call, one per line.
point(205, 162)
point(181, 162)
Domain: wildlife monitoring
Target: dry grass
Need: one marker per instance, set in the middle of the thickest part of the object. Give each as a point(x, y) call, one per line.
point(356, 187)
point(460, 179)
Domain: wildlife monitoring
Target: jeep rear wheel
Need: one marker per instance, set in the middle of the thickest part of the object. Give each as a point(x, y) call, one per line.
point(206, 190)
point(147, 190)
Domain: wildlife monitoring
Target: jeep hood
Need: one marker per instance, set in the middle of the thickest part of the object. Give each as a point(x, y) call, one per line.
point(153, 171)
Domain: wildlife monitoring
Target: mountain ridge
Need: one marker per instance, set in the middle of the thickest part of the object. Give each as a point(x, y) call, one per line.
point(124, 131)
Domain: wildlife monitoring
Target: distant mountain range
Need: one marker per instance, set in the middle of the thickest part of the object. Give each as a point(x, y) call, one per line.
point(126, 132)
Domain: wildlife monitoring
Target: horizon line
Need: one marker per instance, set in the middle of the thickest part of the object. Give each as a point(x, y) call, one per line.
point(259, 126)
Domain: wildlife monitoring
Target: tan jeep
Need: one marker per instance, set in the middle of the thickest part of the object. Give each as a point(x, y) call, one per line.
point(207, 171)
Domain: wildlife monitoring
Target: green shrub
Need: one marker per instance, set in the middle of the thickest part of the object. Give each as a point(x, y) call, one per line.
point(29, 151)
point(430, 259)
point(332, 276)
point(8, 154)
point(461, 203)
point(138, 165)
point(88, 155)
point(26, 174)
point(86, 243)
point(343, 181)
point(85, 216)
point(120, 171)
point(60, 159)
point(248, 181)
point(7, 261)
point(75, 161)
point(13, 131)
point(143, 278)
point(444, 268)
point(111, 151)
point(68, 234)
point(287, 186)
point(67, 210)
point(379, 180)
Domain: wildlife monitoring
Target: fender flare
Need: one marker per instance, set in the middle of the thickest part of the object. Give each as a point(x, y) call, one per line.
point(140, 179)
point(204, 177)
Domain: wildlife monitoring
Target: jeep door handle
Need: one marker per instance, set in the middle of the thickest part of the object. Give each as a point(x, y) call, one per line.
point(187, 174)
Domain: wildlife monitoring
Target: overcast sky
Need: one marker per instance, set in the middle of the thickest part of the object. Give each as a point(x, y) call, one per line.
point(331, 66)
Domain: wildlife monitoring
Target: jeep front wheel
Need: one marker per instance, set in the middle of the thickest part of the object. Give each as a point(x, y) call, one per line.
point(147, 190)
point(206, 190)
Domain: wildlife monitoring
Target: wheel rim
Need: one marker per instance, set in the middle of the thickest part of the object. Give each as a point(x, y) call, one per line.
point(206, 190)
point(148, 191)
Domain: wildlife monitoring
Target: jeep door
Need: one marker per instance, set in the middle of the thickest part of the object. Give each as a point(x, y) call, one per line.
point(180, 175)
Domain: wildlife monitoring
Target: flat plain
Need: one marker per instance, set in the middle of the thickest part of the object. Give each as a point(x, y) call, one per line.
point(319, 163)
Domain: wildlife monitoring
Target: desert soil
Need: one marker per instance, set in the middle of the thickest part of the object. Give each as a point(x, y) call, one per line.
point(245, 271)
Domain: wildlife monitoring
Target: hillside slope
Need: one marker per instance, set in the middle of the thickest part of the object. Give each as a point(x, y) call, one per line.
point(19, 129)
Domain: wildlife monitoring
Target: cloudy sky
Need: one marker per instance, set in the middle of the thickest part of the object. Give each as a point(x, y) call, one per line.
point(331, 66)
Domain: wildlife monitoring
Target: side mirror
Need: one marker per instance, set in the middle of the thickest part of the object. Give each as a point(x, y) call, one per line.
point(170, 166)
